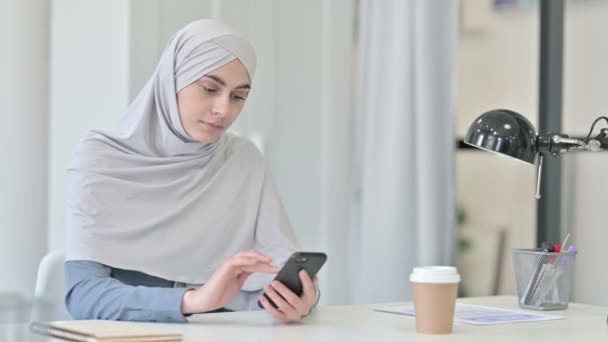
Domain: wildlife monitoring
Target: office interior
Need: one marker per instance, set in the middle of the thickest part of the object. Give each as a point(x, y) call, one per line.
point(358, 107)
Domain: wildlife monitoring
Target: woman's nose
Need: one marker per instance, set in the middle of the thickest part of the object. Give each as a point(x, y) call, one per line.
point(221, 105)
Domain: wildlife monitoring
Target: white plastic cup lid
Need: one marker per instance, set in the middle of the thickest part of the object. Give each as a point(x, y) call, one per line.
point(435, 274)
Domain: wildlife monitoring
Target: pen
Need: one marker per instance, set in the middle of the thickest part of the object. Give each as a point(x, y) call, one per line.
point(532, 284)
point(565, 240)
point(551, 248)
point(549, 279)
point(544, 269)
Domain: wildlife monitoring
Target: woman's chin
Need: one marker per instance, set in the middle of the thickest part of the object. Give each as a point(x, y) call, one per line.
point(206, 138)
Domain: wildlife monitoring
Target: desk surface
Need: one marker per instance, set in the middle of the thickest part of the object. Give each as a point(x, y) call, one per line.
point(361, 323)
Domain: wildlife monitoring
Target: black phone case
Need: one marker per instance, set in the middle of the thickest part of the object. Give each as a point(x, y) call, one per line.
point(311, 262)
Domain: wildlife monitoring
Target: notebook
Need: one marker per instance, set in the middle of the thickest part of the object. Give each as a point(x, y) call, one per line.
point(104, 331)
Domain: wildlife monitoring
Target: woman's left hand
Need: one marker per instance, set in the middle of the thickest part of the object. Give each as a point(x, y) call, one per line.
point(290, 307)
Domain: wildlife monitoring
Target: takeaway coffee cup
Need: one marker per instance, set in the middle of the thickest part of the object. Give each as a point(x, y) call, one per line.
point(435, 289)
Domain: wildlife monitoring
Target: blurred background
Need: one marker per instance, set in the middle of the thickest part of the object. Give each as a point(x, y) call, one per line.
point(359, 107)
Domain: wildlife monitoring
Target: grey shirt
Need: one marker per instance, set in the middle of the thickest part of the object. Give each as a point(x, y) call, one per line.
point(97, 291)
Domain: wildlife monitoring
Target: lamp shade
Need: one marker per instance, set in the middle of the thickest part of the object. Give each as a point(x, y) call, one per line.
point(505, 132)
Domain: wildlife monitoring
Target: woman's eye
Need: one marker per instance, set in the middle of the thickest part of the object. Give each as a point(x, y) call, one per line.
point(210, 90)
point(239, 96)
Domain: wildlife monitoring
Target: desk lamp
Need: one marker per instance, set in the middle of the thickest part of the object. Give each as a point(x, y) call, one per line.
point(508, 133)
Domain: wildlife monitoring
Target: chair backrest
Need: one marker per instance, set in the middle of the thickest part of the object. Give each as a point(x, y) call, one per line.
point(49, 294)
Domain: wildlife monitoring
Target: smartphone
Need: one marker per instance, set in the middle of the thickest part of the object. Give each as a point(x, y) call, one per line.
point(311, 262)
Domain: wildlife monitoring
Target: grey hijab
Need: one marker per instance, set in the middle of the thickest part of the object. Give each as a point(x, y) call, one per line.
point(144, 196)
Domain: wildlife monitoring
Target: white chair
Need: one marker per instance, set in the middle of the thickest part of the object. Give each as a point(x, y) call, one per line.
point(48, 302)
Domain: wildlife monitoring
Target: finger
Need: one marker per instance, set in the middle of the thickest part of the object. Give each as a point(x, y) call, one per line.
point(309, 294)
point(285, 307)
point(261, 268)
point(242, 261)
point(274, 312)
point(290, 297)
point(236, 265)
point(248, 260)
point(255, 254)
point(239, 261)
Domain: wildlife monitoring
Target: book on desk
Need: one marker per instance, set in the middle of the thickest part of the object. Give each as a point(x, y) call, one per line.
point(104, 331)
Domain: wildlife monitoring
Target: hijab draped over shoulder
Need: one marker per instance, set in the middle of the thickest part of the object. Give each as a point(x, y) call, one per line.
point(145, 196)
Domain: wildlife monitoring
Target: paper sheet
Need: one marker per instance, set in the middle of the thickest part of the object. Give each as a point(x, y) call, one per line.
point(480, 315)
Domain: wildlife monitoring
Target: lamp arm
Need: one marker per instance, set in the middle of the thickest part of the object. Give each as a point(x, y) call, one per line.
point(555, 144)
point(572, 145)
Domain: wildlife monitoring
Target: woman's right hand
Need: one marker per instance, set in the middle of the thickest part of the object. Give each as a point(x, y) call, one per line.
point(226, 282)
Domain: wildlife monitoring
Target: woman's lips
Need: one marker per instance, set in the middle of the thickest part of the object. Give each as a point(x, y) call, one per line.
point(214, 127)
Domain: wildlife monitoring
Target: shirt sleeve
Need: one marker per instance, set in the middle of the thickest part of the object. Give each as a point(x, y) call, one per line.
point(92, 293)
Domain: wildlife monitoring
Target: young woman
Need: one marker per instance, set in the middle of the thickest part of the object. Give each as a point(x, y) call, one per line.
point(168, 214)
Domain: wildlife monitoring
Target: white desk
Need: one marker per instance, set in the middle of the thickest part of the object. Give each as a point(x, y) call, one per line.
point(361, 323)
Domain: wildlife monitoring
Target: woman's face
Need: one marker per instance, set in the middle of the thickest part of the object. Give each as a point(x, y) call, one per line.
point(210, 105)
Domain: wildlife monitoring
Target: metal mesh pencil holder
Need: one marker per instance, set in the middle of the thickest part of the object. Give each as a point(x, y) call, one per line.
point(544, 280)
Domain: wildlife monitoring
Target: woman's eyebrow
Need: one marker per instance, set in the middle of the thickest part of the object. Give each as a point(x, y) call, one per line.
point(223, 83)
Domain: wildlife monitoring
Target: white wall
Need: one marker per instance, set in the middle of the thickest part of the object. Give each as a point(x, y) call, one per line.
point(585, 75)
point(24, 118)
point(89, 85)
point(498, 68)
